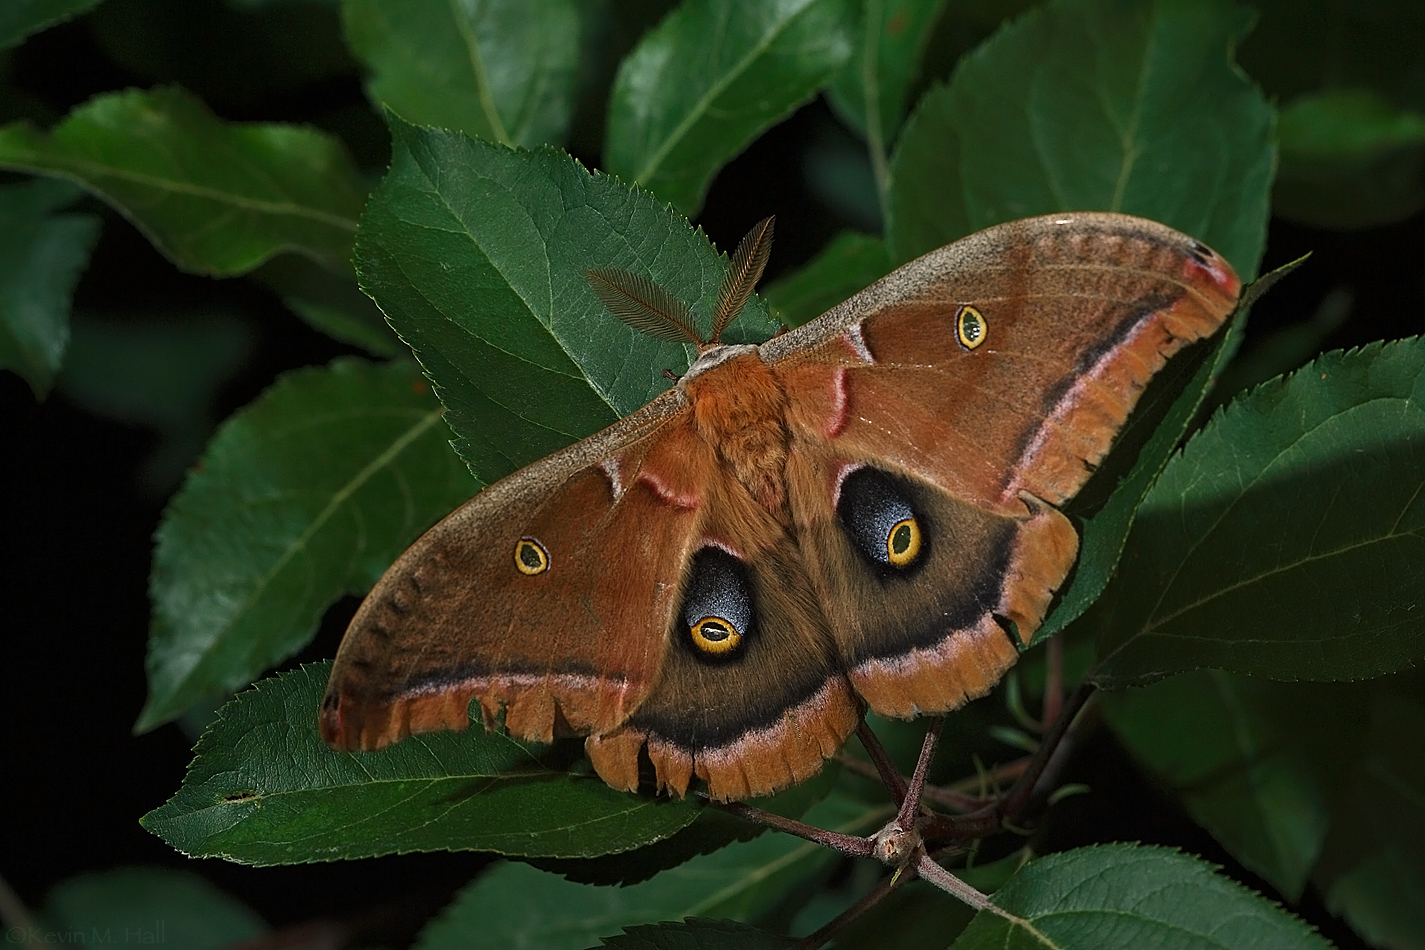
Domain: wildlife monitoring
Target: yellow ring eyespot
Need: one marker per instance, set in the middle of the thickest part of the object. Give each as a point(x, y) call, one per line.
point(903, 542)
point(970, 327)
point(715, 635)
point(530, 557)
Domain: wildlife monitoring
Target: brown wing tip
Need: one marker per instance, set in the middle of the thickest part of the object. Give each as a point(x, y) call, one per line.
point(967, 663)
point(1214, 271)
point(760, 762)
point(1088, 419)
point(351, 725)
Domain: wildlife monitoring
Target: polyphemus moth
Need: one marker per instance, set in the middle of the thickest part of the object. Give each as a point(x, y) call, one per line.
point(859, 513)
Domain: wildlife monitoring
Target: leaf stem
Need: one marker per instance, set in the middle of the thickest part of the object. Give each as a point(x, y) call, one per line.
point(877, 894)
point(910, 807)
point(1053, 680)
point(949, 829)
point(957, 888)
point(853, 845)
point(890, 775)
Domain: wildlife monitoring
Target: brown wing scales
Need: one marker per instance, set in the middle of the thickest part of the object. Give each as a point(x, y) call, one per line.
point(650, 589)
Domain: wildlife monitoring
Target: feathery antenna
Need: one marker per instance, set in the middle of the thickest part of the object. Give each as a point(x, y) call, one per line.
point(644, 305)
point(743, 273)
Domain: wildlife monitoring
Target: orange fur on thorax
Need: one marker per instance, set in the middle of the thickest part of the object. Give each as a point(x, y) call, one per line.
point(739, 408)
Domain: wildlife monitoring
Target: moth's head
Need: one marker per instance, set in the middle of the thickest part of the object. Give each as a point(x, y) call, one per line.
point(714, 355)
point(643, 304)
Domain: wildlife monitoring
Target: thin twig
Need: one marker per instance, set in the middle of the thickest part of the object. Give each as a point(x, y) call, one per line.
point(957, 802)
point(965, 795)
point(890, 775)
point(910, 806)
point(1010, 805)
point(955, 887)
point(1053, 680)
point(879, 893)
point(961, 795)
point(853, 845)
point(978, 824)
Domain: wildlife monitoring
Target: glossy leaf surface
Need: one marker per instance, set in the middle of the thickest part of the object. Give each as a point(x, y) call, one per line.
point(711, 77)
point(1247, 556)
point(500, 70)
point(742, 881)
point(215, 197)
point(164, 374)
point(849, 263)
point(1350, 159)
point(306, 495)
point(1105, 105)
point(1123, 896)
point(476, 254)
point(263, 789)
point(42, 253)
point(870, 92)
point(1255, 762)
point(331, 303)
point(1372, 868)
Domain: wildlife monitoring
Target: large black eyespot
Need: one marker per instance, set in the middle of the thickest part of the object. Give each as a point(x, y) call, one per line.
point(874, 508)
point(718, 613)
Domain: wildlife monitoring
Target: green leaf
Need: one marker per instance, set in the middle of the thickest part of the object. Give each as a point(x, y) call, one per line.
point(870, 92)
point(1107, 105)
point(308, 494)
point(851, 262)
point(699, 935)
point(709, 79)
point(1285, 541)
point(500, 70)
point(838, 172)
point(20, 18)
point(216, 197)
point(330, 303)
point(41, 256)
point(1349, 126)
point(163, 373)
point(916, 916)
point(712, 830)
point(1104, 529)
point(148, 905)
point(1372, 869)
point(476, 254)
point(1283, 349)
point(515, 903)
point(1349, 159)
point(263, 789)
point(1383, 898)
point(1256, 763)
point(1130, 896)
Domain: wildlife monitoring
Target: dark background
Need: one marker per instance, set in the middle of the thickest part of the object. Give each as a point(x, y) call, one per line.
point(78, 521)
